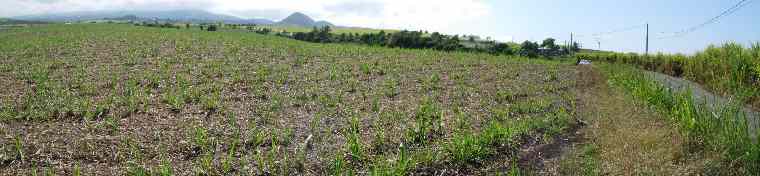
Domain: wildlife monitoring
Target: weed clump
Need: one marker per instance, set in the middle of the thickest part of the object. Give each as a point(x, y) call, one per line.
point(427, 122)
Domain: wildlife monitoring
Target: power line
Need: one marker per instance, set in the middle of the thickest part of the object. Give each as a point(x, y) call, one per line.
point(727, 12)
point(715, 19)
point(596, 35)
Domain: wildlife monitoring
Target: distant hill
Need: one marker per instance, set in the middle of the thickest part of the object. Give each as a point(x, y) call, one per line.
point(323, 23)
point(126, 18)
point(297, 19)
point(300, 19)
point(5, 21)
point(197, 16)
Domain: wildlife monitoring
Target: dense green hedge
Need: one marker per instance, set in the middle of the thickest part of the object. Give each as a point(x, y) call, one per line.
point(729, 69)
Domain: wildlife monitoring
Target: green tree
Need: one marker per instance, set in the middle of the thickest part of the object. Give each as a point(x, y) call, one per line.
point(500, 48)
point(324, 34)
point(551, 49)
point(529, 49)
point(549, 44)
point(211, 28)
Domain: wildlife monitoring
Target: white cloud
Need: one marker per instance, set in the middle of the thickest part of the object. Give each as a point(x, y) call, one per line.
point(438, 15)
point(9, 8)
point(407, 14)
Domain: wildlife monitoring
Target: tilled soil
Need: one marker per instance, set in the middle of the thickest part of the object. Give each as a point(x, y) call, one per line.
point(273, 94)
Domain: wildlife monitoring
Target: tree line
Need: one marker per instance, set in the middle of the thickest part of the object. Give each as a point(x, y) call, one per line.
point(202, 26)
point(406, 39)
point(425, 40)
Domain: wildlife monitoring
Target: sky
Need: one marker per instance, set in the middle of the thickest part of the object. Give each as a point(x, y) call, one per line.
point(503, 20)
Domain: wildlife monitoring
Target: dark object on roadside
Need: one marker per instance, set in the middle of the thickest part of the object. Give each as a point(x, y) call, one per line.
point(211, 28)
point(264, 31)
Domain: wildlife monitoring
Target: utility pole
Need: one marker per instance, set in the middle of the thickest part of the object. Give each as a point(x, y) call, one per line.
point(572, 44)
point(599, 45)
point(646, 49)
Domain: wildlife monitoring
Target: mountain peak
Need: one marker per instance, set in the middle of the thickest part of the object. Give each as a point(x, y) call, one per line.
point(299, 14)
point(298, 19)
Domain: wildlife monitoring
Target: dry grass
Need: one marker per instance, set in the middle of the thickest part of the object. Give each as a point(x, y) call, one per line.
point(626, 138)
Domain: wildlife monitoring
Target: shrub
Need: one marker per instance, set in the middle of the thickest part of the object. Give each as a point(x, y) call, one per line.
point(529, 49)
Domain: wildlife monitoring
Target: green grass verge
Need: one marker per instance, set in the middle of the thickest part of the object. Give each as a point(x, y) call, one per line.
point(723, 130)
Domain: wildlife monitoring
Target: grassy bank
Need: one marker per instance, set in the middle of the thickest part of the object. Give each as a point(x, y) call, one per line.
point(722, 130)
point(729, 69)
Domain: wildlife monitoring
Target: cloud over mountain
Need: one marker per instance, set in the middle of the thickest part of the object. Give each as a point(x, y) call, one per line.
point(417, 14)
